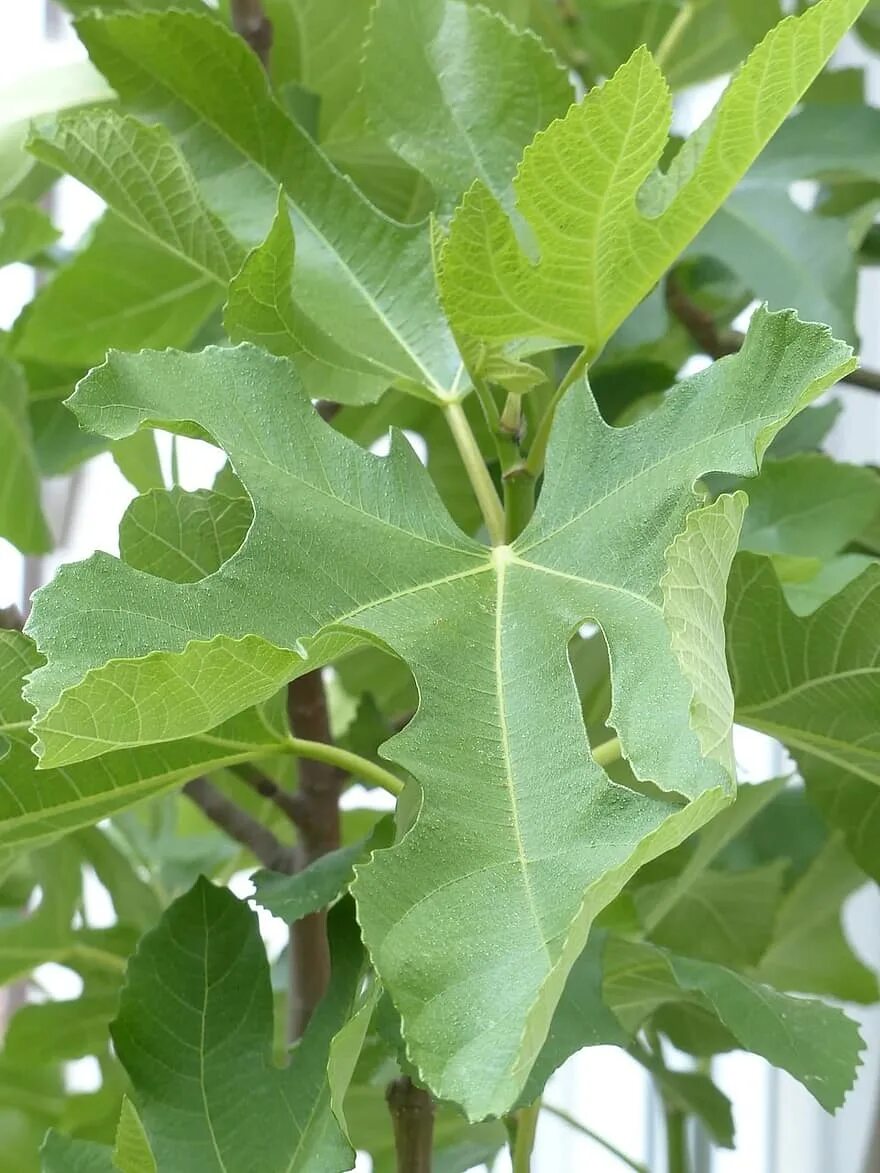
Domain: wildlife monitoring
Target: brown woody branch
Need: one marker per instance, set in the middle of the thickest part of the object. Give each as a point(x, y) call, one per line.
point(241, 826)
point(317, 819)
point(412, 1117)
point(253, 26)
point(718, 342)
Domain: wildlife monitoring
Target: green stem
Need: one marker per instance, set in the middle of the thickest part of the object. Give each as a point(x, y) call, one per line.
point(538, 450)
point(673, 35)
point(676, 1140)
point(478, 474)
point(351, 763)
point(522, 1127)
point(608, 752)
point(594, 1136)
point(519, 500)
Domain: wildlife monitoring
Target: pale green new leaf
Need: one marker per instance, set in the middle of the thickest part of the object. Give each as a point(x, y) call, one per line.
point(605, 224)
point(242, 147)
point(198, 1054)
point(458, 92)
point(132, 1153)
point(346, 545)
point(141, 173)
point(40, 806)
point(809, 952)
point(21, 514)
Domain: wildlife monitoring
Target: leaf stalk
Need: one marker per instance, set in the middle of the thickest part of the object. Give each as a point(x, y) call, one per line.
point(478, 474)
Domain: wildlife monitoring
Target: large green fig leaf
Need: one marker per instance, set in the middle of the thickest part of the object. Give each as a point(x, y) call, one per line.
point(605, 224)
point(199, 1054)
point(524, 829)
point(40, 806)
point(813, 682)
point(242, 147)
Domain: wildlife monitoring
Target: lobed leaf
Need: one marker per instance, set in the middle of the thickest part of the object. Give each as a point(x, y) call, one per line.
point(605, 224)
point(347, 546)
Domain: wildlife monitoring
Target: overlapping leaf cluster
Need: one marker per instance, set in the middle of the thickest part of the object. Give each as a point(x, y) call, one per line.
point(412, 211)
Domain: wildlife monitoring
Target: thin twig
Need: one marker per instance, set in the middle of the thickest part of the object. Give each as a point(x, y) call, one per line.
point(289, 802)
point(320, 785)
point(566, 1118)
point(241, 826)
point(718, 343)
point(253, 26)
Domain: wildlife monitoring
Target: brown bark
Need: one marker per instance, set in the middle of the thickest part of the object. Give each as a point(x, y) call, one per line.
point(412, 1116)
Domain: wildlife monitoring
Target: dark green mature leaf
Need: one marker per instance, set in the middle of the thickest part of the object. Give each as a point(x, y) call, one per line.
point(25, 231)
point(322, 882)
point(786, 256)
point(198, 1053)
point(183, 536)
point(243, 146)
point(425, 590)
point(810, 506)
point(812, 682)
point(21, 514)
point(457, 92)
point(727, 918)
point(806, 431)
point(582, 1018)
point(695, 1094)
point(583, 182)
point(40, 806)
point(60, 1154)
point(809, 952)
point(815, 689)
point(815, 1043)
point(122, 289)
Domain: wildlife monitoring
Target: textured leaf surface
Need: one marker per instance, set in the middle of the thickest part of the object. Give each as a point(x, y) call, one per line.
point(132, 1153)
point(183, 536)
point(485, 634)
point(319, 884)
point(37, 94)
point(198, 1054)
point(121, 289)
point(243, 147)
point(21, 515)
point(457, 92)
point(35, 805)
point(603, 234)
point(812, 682)
point(815, 1043)
point(810, 506)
